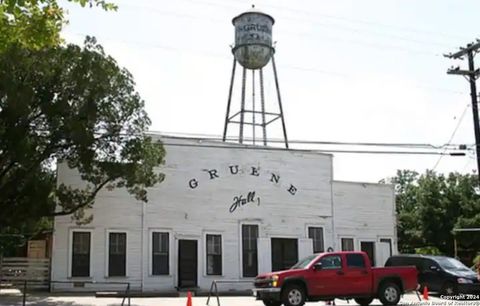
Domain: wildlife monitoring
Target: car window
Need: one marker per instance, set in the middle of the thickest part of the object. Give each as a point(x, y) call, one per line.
point(451, 264)
point(355, 261)
point(405, 261)
point(426, 264)
point(303, 263)
point(331, 262)
point(397, 261)
point(417, 262)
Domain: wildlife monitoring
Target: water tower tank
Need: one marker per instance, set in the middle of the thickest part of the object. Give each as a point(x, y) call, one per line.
point(253, 39)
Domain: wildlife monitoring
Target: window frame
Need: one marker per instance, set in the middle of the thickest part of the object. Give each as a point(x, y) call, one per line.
point(341, 243)
point(313, 242)
point(242, 272)
point(70, 252)
point(107, 252)
point(150, 249)
point(205, 253)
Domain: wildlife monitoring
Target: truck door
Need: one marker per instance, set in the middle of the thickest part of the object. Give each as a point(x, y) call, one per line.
point(327, 279)
point(358, 275)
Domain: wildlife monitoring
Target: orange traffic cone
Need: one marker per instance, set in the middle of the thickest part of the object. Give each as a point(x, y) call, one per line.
point(189, 298)
point(425, 293)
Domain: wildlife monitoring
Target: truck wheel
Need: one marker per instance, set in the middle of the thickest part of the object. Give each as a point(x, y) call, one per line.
point(293, 295)
point(363, 301)
point(389, 294)
point(271, 303)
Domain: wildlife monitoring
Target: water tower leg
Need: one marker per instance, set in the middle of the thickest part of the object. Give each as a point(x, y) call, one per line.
point(280, 101)
point(229, 101)
point(262, 98)
point(253, 106)
point(242, 109)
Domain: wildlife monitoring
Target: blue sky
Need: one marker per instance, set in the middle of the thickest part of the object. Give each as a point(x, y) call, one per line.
point(349, 71)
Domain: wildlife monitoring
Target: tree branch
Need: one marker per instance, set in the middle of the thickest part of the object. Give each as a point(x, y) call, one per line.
point(90, 199)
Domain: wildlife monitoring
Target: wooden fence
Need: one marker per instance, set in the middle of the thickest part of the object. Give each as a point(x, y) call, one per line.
point(14, 271)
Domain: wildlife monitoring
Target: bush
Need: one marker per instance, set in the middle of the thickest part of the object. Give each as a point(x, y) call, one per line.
point(430, 250)
point(476, 260)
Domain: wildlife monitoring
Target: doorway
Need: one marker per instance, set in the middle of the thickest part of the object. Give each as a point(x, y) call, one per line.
point(284, 253)
point(369, 248)
point(187, 263)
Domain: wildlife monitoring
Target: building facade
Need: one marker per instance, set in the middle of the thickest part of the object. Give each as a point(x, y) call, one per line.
point(224, 212)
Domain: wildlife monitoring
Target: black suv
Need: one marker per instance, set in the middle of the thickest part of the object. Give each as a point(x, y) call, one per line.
point(441, 274)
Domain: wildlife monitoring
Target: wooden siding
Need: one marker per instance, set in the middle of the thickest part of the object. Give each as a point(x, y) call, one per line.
point(365, 212)
point(190, 213)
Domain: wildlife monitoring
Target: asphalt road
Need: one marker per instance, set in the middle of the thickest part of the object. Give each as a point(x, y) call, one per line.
point(409, 299)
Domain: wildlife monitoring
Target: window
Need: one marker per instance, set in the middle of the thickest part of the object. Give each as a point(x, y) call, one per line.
point(347, 244)
point(249, 250)
point(214, 255)
point(331, 262)
point(160, 250)
point(316, 234)
point(117, 254)
point(81, 254)
point(355, 261)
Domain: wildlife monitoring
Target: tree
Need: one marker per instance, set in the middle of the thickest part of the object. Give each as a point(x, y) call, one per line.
point(63, 103)
point(431, 205)
point(73, 105)
point(36, 24)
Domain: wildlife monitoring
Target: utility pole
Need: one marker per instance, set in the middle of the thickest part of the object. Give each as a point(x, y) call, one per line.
point(471, 75)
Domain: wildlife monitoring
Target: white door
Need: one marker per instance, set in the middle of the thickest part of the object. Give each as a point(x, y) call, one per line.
point(383, 252)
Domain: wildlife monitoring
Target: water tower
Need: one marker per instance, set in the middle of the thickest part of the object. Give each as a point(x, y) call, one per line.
point(253, 50)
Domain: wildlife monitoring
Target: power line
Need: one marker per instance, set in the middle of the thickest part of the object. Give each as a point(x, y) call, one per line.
point(308, 34)
point(243, 146)
point(315, 22)
point(453, 134)
point(199, 52)
point(343, 19)
point(210, 137)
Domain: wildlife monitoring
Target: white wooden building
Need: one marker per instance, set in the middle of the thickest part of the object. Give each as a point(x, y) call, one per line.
point(224, 212)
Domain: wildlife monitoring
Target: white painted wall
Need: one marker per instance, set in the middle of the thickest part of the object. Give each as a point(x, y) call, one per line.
point(365, 212)
point(191, 213)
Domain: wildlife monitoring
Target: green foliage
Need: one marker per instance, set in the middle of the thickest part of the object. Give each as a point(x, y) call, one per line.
point(76, 106)
point(11, 238)
point(36, 23)
point(428, 251)
point(431, 205)
point(476, 261)
point(68, 104)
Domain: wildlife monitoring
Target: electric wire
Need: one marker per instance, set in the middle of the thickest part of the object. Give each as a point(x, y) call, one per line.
point(453, 134)
point(211, 137)
point(243, 146)
point(155, 10)
point(223, 56)
point(316, 14)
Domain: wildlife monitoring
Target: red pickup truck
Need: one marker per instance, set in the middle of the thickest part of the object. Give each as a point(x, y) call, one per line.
point(326, 276)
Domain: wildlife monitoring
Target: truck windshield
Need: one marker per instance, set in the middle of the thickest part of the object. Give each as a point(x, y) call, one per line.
point(303, 263)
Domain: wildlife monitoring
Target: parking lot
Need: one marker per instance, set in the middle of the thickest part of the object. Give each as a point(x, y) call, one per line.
point(45, 300)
